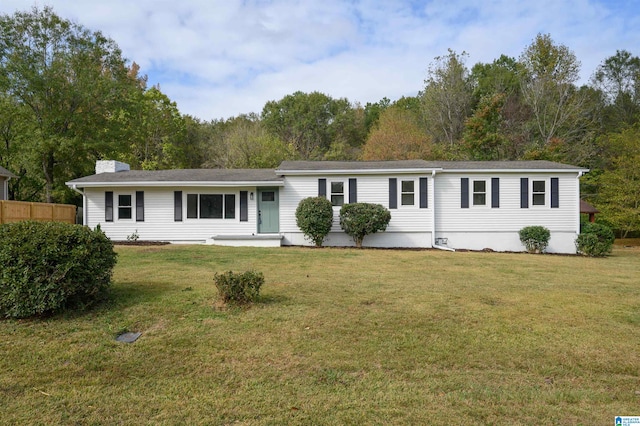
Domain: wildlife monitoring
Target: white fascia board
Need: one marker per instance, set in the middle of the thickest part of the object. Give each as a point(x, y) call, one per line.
point(174, 184)
point(470, 171)
point(355, 172)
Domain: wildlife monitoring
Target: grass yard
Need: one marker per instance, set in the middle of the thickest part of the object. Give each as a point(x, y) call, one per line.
point(341, 336)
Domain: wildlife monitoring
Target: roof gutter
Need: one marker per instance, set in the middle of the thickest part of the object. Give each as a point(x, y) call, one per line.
point(220, 184)
point(433, 217)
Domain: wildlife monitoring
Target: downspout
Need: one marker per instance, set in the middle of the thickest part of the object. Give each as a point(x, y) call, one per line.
point(580, 173)
point(433, 216)
point(84, 203)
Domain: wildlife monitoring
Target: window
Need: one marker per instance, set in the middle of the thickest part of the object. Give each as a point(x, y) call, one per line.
point(407, 196)
point(124, 206)
point(211, 206)
point(479, 193)
point(337, 193)
point(538, 193)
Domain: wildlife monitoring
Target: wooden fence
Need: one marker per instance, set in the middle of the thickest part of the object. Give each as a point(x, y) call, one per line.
point(15, 211)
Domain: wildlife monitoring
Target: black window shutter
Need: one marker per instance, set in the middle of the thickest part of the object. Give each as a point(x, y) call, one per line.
point(139, 206)
point(464, 193)
point(495, 192)
point(424, 203)
point(108, 206)
point(177, 206)
point(244, 207)
point(322, 187)
point(393, 193)
point(353, 190)
point(524, 193)
point(555, 196)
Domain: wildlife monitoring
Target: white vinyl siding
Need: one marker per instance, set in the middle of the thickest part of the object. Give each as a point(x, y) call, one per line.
point(371, 189)
point(510, 217)
point(159, 224)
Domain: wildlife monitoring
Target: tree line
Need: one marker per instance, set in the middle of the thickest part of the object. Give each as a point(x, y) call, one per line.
point(68, 97)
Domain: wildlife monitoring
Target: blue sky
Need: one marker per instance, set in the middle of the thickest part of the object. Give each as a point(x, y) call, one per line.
point(221, 58)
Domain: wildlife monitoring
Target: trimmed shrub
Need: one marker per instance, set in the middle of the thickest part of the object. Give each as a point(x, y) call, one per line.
point(239, 287)
point(314, 217)
point(595, 240)
point(48, 267)
point(535, 238)
point(361, 219)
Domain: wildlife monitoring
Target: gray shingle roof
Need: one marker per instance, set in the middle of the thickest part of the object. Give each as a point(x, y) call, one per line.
point(421, 164)
point(271, 175)
point(6, 173)
point(183, 175)
point(352, 165)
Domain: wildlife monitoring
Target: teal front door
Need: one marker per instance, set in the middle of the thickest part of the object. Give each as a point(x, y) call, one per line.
point(268, 211)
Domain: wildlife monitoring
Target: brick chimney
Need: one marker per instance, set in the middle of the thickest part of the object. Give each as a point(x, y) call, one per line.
point(111, 166)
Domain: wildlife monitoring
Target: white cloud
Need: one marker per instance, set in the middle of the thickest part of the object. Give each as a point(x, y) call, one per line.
point(222, 58)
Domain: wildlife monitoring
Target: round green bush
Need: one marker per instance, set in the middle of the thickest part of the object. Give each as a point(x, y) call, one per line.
point(48, 267)
point(314, 217)
point(595, 240)
point(361, 219)
point(535, 238)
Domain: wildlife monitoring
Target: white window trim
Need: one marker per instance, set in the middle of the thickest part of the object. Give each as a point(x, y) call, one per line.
point(547, 193)
point(236, 203)
point(130, 206)
point(416, 194)
point(487, 193)
point(345, 191)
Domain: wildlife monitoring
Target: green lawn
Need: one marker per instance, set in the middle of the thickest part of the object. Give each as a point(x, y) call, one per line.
point(341, 336)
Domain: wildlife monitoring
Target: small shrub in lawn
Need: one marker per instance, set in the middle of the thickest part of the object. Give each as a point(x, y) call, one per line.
point(361, 219)
point(314, 216)
point(48, 267)
point(535, 238)
point(239, 287)
point(595, 240)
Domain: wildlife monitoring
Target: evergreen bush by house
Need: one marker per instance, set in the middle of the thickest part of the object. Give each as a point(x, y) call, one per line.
point(361, 219)
point(314, 216)
point(48, 267)
point(535, 238)
point(595, 240)
point(239, 288)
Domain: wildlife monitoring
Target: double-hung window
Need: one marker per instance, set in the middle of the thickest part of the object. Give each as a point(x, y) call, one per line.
point(124, 206)
point(538, 193)
point(337, 193)
point(408, 193)
point(479, 193)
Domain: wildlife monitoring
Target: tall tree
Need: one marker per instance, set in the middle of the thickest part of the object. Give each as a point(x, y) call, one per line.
point(446, 99)
point(158, 133)
point(548, 86)
point(619, 79)
point(73, 83)
point(619, 194)
point(397, 136)
point(242, 142)
point(310, 122)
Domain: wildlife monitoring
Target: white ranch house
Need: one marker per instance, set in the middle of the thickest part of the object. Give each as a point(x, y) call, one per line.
point(442, 204)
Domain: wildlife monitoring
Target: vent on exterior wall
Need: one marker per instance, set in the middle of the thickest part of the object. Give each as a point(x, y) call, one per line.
point(442, 241)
